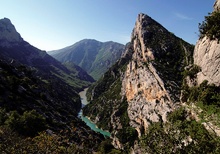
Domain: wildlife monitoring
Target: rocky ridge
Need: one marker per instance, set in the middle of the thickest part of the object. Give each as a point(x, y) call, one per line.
point(149, 98)
point(8, 33)
point(148, 78)
point(14, 49)
point(34, 83)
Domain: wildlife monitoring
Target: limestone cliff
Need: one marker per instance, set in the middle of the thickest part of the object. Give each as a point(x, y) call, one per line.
point(217, 5)
point(143, 86)
point(149, 84)
point(207, 56)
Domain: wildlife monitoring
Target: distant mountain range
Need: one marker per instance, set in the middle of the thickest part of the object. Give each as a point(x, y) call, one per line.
point(93, 56)
point(14, 48)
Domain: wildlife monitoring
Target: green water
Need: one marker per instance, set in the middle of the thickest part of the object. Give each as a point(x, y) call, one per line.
point(94, 127)
point(86, 119)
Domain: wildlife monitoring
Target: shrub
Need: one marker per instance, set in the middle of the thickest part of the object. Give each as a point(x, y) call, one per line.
point(28, 124)
point(193, 71)
point(32, 123)
point(14, 121)
point(211, 27)
point(3, 116)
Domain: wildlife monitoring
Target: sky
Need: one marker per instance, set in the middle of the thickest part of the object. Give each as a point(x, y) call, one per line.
point(55, 24)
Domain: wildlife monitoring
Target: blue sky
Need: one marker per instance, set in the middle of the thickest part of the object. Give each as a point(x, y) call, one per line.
point(54, 24)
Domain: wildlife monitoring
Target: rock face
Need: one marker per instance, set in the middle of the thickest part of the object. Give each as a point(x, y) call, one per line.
point(149, 98)
point(207, 56)
point(217, 5)
point(148, 78)
point(8, 33)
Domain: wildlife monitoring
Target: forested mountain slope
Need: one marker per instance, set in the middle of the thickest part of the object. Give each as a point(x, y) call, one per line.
point(39, 101)
point(93, 56)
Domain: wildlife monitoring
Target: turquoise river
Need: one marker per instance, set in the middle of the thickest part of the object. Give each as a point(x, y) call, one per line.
point(86, 119)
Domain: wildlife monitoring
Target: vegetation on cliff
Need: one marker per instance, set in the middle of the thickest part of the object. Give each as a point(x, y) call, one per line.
point(210, 27)
point(182, 134)
point(171, 54)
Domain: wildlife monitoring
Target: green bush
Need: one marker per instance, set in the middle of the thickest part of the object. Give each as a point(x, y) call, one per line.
point(192, 71)
point(3, 116)
point(28, 124)
point(205, 93)
point(211, 27)
point(13, 143)
point(127, 135)
point(105, 146)
point(179, 136)
point(32, 123)
point(14, 121)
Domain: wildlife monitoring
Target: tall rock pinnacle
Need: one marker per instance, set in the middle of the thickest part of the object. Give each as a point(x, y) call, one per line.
point(217, 5)
point(8, 33)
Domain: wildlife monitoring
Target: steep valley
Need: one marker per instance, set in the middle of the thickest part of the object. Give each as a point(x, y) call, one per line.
point(157, 94)
point(39, 100)
point(161, 90)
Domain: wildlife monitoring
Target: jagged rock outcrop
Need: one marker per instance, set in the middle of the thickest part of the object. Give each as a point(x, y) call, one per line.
point(217, 5)
point(8, 33)
point(207, 56)
point(149, 97)
point(143, 86)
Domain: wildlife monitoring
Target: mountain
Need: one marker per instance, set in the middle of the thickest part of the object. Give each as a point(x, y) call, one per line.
point(39, 100)
point(35, 111)
point(9, 35)
point(145, 101)
point(161, 96)
point(144, 86)
point(13, 47)
point(93, 56)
